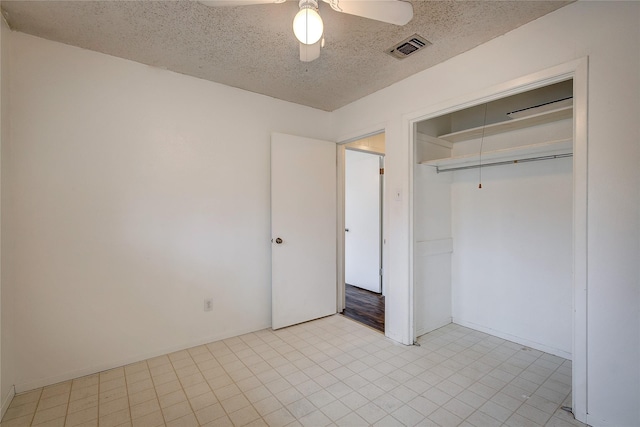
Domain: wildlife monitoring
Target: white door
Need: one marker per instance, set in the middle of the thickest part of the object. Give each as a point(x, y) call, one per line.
point(303, 229)
point(362, 220)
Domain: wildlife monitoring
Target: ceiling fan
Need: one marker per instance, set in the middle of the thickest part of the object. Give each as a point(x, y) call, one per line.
point(307, 24)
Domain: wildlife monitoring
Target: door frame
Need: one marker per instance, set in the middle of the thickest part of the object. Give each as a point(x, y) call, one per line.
point(341, 183)
point(578, 71)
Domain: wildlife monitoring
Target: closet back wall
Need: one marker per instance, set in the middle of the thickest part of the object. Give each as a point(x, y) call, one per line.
point(512, 258)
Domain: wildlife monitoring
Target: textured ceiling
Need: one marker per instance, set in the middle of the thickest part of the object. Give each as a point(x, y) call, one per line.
point(253, 47)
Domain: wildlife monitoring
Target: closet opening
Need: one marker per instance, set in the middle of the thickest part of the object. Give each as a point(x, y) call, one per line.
point(493, 230)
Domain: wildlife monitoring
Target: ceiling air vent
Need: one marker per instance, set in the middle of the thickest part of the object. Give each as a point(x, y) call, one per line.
point(408, 46)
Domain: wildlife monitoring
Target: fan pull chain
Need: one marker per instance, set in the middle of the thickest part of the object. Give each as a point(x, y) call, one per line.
point(484, 125)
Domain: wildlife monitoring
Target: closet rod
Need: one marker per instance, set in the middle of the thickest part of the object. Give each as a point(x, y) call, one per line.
point(506, 162)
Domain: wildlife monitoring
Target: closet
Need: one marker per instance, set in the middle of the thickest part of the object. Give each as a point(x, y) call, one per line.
point(493, 225)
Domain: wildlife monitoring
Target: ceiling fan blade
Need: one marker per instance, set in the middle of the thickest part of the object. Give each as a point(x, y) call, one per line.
point(396, 12)
point(310, 52)
point(217, 3)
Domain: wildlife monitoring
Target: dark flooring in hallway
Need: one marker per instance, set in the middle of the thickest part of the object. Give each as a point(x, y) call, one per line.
point(365, 307)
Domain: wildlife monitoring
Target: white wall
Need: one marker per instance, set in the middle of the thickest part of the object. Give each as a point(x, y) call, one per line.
point(7, 377)
point(609, 34)
point(512, 258)
point(135, 194)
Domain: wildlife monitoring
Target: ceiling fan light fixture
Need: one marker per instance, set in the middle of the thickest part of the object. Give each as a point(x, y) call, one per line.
point(307, 24)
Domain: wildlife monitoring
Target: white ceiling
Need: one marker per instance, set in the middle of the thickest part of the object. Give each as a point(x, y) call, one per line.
point(253, 47)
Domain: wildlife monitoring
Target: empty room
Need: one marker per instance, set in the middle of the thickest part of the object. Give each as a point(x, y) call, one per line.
point(173, 213)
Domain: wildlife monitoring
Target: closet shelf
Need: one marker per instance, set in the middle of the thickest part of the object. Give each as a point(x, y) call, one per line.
point(509, 125)
point(561, 148)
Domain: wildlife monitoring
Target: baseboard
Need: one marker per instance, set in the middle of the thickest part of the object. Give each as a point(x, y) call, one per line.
point(32, 385)
point(7, 401)
point(519, 340)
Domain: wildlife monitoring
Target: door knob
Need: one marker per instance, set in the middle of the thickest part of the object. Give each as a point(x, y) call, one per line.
point(278, 240)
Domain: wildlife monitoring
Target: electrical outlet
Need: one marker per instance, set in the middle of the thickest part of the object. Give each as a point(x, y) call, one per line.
point(208, 304)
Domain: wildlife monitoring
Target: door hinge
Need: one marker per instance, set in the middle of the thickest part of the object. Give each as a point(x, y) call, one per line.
point(381, 171)
point(381, 272)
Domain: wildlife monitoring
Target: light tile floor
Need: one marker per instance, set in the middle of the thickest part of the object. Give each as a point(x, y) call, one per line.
point(331, 371)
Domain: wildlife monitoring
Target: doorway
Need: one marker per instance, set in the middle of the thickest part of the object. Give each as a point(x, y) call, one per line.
point(363, 246)
point(442, 157)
